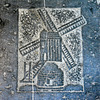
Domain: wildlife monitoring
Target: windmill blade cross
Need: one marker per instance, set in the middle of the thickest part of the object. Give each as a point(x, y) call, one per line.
point(80, 21)
point(51, 26)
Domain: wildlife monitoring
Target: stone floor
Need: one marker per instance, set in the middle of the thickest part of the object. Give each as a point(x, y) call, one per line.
point(9, 40)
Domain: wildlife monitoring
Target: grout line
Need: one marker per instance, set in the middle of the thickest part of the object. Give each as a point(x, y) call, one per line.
point(44, 3)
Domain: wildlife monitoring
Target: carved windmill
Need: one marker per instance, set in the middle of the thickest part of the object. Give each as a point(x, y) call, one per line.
point(52, 34)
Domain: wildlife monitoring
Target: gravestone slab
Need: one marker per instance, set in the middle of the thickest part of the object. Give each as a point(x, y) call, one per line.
point(50, 37)
point(49, 49)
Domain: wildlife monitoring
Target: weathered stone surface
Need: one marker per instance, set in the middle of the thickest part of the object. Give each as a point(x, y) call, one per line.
point(9, 41)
